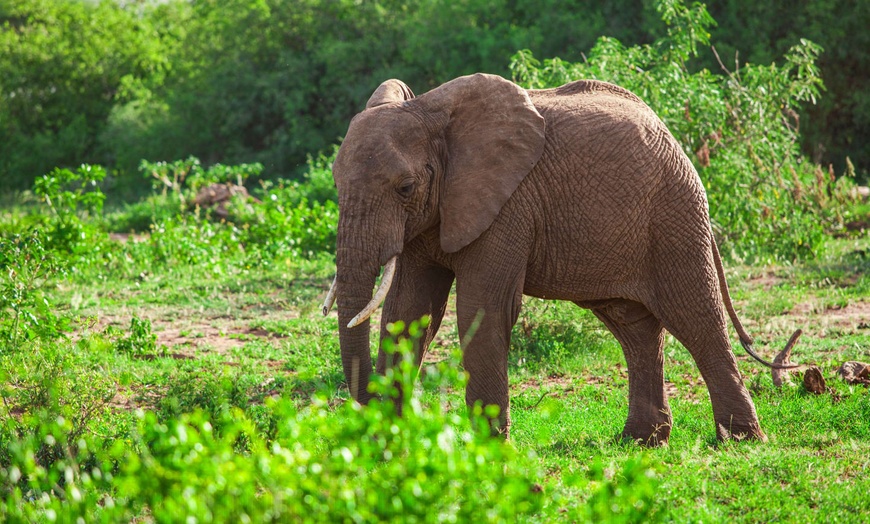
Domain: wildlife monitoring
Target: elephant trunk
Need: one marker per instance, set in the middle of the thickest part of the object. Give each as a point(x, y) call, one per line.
point(364, 243)
point(354, 283)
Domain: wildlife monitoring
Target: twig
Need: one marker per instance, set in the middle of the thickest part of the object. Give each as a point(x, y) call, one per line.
point(533, 406)
point(716, 54)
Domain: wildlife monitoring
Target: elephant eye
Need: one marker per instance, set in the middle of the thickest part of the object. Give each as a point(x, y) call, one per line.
point(405, 188)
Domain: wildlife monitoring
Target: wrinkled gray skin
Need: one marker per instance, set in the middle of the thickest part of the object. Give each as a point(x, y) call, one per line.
point(577, 193)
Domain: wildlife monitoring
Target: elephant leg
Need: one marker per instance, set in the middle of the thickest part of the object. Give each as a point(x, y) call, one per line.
point(642, 337)
point(419, 288)
point(695, 316)
point(487, 308)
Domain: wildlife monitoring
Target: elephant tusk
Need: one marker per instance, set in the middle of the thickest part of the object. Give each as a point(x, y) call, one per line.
point(329, 301)
point(380, 295)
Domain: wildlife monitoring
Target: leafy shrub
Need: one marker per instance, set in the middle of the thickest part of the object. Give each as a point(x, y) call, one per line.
point(316, 184)
point(216, 395)
point(46, 419)
point(740, 130)
point(26, 268)
point(185, 178)
point(140, 342)
point(72, 198)
point(46, 247)
point(288, 220)
point(189, 241)
point(295, 217)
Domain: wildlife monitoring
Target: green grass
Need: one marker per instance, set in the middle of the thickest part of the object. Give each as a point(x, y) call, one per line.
point(240, 339)
point(195, 376)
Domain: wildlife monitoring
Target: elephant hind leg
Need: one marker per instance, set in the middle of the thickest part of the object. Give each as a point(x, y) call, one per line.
point(696, 318)
point(642, 338)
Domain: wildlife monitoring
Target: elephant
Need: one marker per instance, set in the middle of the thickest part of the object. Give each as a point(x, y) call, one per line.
point(576, 193)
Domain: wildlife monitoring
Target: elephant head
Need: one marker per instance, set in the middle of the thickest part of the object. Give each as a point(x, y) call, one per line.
point(448, 159)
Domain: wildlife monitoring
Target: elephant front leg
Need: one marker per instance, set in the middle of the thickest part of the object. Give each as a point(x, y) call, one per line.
point(642, 338)
point(485, 318)
point(418, 289)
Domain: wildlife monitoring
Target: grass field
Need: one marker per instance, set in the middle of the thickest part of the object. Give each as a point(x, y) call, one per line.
point(183, 371)
point(238, 339)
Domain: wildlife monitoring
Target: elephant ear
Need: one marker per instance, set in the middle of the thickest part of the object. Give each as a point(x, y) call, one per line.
point(390, 91)
point(494, 136)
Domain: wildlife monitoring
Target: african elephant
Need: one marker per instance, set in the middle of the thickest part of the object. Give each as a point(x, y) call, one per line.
point(576, 193)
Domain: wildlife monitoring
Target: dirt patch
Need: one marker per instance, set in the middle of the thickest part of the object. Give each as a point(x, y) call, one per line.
point(821, 320)
point(260, 332)
point(534, 391)
point(123, 238)
point(850, 318)
point(196, 336)
point(766, 280)
point(183, 339)
point(552, 382)
point(139, 396)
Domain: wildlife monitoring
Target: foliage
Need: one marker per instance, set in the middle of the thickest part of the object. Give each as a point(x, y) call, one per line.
point(72, 197)
point(141, 341)
point(833, 129)
point(26, 267)
point(738, 128)
point(46, 248)
point(266, 81)
point(185, 178)
point(46, 411)
point(67, 237)
point(62, 67)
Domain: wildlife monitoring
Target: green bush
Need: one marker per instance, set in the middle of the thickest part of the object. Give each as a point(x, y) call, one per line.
point(46, 246)
point(140, 342)
point(67, 234)
point(61, 67)
point(282, 220)
point(740, 130)
point(47, 419)
point(73, 199)
point(269, 81)
point(26, 270)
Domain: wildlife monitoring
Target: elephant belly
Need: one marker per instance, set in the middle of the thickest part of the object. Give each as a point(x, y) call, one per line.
point(585, 279)
point(591, 254)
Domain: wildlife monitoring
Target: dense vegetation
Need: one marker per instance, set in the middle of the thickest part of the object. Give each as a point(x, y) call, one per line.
point(161, 361)
point(187, 372)
point(267, 81)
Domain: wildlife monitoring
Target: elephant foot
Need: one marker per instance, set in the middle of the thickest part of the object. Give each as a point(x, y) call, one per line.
point(499, 425)
point(646, 433)
point(739, 432)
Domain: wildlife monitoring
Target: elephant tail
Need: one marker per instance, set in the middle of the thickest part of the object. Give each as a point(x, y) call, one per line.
point(745, 339)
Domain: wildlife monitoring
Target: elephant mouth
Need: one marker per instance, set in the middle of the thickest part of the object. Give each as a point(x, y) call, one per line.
point(374, 303)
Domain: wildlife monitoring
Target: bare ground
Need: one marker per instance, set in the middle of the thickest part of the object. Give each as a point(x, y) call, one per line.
point(821, 320)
